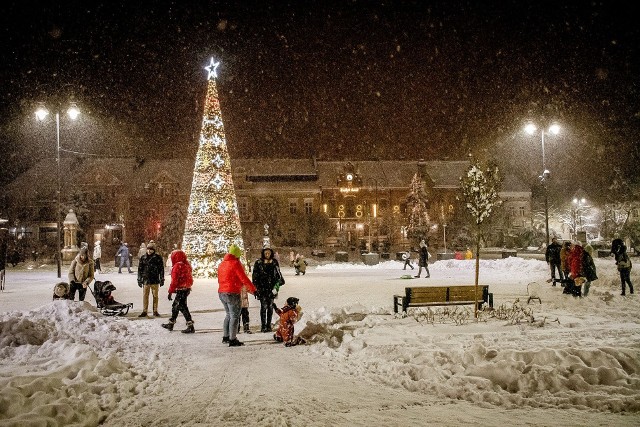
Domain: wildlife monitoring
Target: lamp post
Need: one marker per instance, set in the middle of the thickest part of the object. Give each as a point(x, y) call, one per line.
point(530, 128)
point(41, 114)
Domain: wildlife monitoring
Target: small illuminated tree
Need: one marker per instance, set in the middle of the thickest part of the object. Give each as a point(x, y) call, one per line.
point(480, 187)
point(417, 208)
point(213, 221)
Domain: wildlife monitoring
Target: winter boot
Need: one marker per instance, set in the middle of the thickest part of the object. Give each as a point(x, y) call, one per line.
point(246, 329)
point(169, 325)
point(225, 340)
point(190, 329)
point(235, 343)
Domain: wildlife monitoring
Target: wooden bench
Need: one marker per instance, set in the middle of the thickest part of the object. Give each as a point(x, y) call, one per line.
point(423, 296)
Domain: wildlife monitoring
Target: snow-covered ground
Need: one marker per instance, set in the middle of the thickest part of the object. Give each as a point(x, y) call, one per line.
point(564, 362)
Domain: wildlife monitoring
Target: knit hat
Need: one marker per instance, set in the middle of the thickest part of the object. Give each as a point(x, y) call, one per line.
point(235, 250)
point(151, 245)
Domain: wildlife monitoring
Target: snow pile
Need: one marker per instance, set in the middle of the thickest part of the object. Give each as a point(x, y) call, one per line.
point(491, 363)
point(65, 363)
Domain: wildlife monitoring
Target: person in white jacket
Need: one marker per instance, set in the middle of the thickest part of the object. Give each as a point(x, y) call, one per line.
point(97, 254)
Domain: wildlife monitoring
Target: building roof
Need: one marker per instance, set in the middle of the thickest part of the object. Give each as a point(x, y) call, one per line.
point(299, 174)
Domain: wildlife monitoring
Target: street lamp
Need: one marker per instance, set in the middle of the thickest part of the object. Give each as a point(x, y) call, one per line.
point(530, 128)
point(41, 114)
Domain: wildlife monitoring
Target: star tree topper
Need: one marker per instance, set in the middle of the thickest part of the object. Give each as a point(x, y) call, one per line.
point(212, 69)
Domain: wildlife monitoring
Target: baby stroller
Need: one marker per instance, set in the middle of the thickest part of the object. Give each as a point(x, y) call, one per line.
point(105, 301)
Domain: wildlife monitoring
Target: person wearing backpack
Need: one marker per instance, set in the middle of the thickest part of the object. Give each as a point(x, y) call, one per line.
point(623, 262)
point(181, 282)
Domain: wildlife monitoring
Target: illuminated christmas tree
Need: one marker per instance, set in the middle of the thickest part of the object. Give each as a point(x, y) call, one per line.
point(213, 222)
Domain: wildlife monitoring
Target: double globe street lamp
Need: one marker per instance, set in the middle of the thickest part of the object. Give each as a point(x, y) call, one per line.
point(41, 114)
point(554, 129)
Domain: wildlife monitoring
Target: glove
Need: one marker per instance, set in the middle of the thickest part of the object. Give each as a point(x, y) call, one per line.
point(257, 294)
point(274, 306)
point(162, 284)
point(169, 298)
point(139, 284)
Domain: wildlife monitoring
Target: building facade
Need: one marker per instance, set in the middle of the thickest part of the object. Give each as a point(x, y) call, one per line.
point(305, 202)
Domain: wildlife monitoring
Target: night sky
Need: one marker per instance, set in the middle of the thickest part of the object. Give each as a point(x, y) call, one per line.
point(331, 79)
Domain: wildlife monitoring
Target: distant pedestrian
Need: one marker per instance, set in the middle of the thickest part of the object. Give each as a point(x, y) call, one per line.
point(300, 264)
point(181, 283)
point(231, 278)
point(423, 259)
point(142, 251)
point(97, 254)
point(123, 252)
point(150, 278)
point(80, 274)
point(468, 254)
point(406, 256)
point(623, 263)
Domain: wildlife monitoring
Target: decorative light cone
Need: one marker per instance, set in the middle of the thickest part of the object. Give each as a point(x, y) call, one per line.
point(213, 221)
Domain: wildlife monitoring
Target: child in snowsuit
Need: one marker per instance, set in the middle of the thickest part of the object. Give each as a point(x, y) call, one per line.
point(181, 282)
point(289, 315)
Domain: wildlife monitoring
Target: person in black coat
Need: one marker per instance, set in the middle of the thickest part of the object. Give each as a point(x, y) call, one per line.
point(552, 256)
point(267, 278)
point(150, 278)
point(588, 272)
point(423, 259)
point(623, 263)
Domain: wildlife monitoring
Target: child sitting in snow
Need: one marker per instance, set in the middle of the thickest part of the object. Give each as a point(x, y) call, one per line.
point(289, 315)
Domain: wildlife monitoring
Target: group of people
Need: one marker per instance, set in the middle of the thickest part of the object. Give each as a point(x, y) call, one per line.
point(576, 269)
point(234, 286)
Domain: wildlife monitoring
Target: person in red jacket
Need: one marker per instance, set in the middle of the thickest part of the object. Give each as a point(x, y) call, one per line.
point(181, 282)
point(231, 278)
point(574, 265)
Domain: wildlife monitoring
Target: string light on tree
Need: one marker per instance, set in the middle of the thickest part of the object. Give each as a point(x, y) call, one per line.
point(213, 222)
